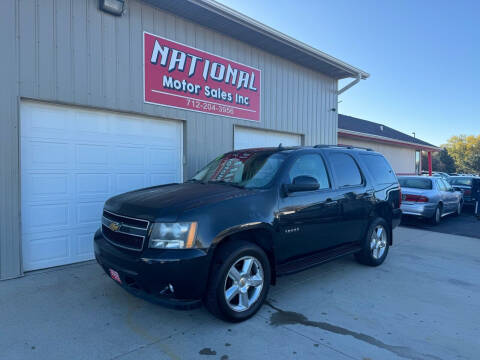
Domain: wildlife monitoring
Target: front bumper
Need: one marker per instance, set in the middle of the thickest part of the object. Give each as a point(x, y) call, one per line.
point(421, 210)
point(151, 274)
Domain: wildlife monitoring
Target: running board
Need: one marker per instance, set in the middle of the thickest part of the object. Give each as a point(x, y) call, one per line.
point(310, 261)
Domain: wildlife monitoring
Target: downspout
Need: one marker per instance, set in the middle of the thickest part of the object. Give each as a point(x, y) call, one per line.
point(349, 85)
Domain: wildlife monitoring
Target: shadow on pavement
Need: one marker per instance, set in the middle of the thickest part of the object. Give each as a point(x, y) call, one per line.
point(464, 225)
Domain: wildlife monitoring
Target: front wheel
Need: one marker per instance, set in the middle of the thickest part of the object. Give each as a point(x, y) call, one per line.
point(239, 281)
point(376, 245)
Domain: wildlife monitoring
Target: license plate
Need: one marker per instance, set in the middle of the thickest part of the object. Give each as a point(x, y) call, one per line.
point(114, 275)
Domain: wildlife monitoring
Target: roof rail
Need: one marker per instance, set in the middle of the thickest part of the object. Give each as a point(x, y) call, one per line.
point(343, 146)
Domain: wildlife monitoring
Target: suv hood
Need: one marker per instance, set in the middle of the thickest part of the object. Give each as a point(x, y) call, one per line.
point(169, 201)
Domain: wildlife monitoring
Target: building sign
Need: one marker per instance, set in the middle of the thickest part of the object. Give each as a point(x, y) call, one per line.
point(183, 77)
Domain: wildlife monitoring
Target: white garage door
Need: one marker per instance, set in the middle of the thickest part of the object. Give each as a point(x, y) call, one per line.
point(245, 138)
point(72, 160)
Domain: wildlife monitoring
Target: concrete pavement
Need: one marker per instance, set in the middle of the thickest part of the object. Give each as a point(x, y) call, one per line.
point(422, 303)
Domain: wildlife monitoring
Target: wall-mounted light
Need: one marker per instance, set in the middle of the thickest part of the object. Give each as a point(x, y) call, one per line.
point(114, 7)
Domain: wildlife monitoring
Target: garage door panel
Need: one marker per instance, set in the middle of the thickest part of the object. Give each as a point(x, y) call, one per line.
point(39, 186)
point(50, 248)
point(85, 246)
point(129, 157)
point(162, 179)
point(245, 138)
point(93, 184)
point(43, 121)
point(45, 154)
point(87, 124)
point(128, 182)
point(163, 159)
point(72, 160)
point(88, 155)
point(89, 213)
point(38, 216)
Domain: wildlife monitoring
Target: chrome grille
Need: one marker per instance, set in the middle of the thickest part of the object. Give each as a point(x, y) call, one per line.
point(123, 231)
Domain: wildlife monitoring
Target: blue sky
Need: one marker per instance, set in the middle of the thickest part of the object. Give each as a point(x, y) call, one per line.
point(423, 57)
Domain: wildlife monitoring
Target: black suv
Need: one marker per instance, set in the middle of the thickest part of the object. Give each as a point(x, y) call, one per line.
point(247, 217)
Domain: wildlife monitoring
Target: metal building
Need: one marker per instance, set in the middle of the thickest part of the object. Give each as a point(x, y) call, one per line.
point(402, 150)
point(100, 97)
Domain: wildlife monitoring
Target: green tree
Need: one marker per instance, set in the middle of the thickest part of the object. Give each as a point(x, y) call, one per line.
point(465, 151)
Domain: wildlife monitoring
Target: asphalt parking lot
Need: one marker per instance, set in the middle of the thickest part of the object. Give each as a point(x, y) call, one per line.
point(465, 225)
point(422, 303)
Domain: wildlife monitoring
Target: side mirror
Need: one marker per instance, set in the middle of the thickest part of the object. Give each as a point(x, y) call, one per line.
point(302, 183)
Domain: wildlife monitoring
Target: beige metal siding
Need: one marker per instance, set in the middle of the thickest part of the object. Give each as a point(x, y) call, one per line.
point(401, 158)
point(9, 172)
point(69, 52)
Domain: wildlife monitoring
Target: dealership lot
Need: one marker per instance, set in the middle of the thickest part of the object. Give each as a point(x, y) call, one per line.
point(419, 305)
point(465, 225)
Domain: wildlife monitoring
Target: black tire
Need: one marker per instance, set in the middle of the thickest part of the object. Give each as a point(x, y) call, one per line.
point(459, 209)
point(437, 215)
point(366, 255)
point(225, 257)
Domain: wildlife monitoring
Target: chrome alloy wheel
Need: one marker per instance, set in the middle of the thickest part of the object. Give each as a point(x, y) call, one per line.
point(244, 283)
point(378, 242)
point(438, 215)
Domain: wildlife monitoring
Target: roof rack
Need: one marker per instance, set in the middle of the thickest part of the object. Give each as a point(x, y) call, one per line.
point(343, 146)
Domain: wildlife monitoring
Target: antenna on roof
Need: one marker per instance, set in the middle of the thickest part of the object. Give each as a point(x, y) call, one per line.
point(280, 146)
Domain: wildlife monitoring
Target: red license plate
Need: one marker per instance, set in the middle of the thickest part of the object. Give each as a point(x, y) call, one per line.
point(114, 275)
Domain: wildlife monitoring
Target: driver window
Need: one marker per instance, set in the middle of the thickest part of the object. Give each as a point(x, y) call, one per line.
point(310, 165)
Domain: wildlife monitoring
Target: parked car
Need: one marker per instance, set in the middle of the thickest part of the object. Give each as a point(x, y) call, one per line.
point(429, 197)
point(246, 218)
point(464, 184)
point(437, 174)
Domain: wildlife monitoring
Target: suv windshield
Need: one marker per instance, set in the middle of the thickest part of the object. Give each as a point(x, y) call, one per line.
point(249, 169)
point(415, 183)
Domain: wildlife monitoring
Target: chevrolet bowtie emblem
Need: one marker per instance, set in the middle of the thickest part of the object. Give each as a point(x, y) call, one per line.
point(115, 226)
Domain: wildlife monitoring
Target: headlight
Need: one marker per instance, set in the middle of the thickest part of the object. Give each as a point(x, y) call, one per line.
point(173, 235)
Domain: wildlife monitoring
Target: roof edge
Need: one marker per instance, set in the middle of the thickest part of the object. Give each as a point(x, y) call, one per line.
point(233, 15)
point(386, 139)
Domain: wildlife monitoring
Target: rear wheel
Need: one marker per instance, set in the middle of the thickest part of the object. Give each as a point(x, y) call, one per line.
point(437, 215)
point(376, 245)
point(239, 281)
point(459, 208)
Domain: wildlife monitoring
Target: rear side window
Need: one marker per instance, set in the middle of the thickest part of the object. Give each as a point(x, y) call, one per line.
point(346, 170)
point(441, 185)
point(380, 169)
point(447, 185)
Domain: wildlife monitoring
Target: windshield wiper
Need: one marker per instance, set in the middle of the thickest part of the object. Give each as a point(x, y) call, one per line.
point(223, 182)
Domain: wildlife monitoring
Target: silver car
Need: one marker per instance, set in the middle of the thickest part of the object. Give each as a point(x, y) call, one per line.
point(429, 197)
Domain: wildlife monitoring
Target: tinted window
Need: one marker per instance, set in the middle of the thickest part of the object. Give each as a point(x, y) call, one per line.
point(346, 170)
point(310, 165)
point(461, 181)
point(415, 183)
point(380, 169)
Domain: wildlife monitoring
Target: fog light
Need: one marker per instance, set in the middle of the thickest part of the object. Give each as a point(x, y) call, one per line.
point(114, 7)
point(170, 287)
